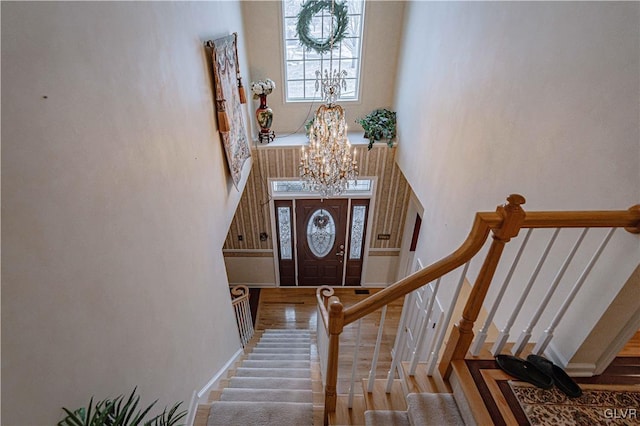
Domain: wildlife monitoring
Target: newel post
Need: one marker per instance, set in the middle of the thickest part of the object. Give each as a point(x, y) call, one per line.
point(462, 334)
point(336, 324)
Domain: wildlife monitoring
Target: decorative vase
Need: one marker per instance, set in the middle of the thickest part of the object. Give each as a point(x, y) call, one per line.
point(264, 115)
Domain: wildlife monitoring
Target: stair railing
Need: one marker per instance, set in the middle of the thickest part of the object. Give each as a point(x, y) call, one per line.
point(504, 224)
point(242, 309)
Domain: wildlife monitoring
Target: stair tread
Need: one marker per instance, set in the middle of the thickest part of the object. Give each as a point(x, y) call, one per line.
point(270, 383)
point(261, 413)
point(266, 363)
point(273, 372)
point(386, 418)
point(274, 356)
point(266, 395)
point(285, 345)
point(286, 350)
point(433, 409)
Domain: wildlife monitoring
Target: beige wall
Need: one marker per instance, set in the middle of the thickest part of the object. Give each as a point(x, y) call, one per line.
point(116, 201)
point(536, 98)
point(263, 29)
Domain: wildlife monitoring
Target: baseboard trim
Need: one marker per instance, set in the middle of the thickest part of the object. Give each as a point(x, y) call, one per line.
point(255, 285)
point(216, 377)
point(573, 369)
point(198, 395)
point(578, 369)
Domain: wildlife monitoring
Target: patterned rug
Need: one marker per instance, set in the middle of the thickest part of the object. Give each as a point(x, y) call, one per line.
point(598, 405)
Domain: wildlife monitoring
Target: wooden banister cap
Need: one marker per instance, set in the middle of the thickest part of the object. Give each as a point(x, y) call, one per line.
point(634, 229)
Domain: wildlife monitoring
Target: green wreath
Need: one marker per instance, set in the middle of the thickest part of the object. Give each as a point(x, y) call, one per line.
point(308, 11)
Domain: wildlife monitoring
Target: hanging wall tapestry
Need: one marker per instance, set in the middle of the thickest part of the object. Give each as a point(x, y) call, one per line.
point(229, 94)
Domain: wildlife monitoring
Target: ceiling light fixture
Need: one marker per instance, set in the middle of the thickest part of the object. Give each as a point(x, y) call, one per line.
point(328, 164)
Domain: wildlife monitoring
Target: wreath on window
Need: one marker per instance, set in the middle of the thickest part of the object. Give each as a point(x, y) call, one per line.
point(308, 11)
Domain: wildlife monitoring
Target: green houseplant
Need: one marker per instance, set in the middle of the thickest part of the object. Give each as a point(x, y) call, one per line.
point(121, 412)
point(379, 124)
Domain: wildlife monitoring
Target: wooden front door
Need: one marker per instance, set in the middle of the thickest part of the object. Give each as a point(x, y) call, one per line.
point(321, 229)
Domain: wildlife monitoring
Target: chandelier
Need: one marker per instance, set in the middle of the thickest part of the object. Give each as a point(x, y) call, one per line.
point(328, 164)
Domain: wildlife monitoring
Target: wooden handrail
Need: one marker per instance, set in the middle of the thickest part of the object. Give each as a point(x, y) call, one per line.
point(240, 293)
point(628, 219)
point(505, 224)
point(473, 243)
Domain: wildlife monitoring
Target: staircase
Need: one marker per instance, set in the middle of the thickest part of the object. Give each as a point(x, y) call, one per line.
point(272, 385)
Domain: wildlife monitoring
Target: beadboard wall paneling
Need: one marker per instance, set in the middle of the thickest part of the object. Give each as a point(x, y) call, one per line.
point(253, 214)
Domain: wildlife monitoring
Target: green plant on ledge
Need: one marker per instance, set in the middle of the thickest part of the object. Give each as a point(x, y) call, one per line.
point(379, 124)
point(118, 412)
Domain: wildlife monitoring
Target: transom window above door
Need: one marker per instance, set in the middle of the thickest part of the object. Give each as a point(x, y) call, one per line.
point(301, 65)
point(290, 187)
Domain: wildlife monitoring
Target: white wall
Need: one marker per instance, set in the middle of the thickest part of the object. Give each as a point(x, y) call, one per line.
point(539, 98)
point(116, 200)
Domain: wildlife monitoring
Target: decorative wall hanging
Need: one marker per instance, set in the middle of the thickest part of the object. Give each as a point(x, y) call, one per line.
point(229, 94)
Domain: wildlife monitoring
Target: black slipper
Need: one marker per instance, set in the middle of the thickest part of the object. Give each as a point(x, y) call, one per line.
point(524, 370)
point(561, 379)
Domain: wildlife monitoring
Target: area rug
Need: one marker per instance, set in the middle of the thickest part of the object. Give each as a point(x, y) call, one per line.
point(598, 405)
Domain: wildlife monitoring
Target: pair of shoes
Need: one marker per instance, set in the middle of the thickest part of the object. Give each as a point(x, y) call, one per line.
point(560, 378)
point(524, 370)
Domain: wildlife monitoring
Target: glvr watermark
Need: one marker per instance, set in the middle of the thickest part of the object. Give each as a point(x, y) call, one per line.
point(621, 413)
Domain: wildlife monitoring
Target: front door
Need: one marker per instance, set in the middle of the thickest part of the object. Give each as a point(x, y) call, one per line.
point(321, 229)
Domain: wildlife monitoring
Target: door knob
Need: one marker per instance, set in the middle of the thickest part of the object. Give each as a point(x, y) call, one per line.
point(340, 254)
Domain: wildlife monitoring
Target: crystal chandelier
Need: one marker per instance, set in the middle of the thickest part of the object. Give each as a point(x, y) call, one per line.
point(328, 164)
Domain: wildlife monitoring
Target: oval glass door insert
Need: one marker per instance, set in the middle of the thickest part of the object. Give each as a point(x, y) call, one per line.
point(321, 233)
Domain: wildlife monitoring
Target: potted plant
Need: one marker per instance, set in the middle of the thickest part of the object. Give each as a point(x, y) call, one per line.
point(379, 124)
point(121, 411)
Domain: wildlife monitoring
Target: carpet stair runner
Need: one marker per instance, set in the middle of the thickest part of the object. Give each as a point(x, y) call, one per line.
point(423, 409)
point(272, 386)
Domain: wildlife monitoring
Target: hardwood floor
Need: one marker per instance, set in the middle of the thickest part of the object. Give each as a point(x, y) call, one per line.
point(632, 348)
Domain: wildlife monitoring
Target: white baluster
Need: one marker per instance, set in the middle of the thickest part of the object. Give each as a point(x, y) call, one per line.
point(547, 335)
point(400, 342)
point(354, 365)
point(415, 356)
point(433, 357)
point(482, 333)
point(526, 333)
point(248, 321)
point(504, 333)
point(238, 321)
point(376, 351)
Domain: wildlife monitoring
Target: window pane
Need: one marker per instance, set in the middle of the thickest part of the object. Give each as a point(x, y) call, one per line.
point(357, 231)
point(310, 90)
point(290, 27)
point(310, 69)
point(351, 91)
point(295, 89)
point(294, 50)
point(291, 7)
point(350, 48)
point(295, 70)
point(350, 66)
point(284, 229)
